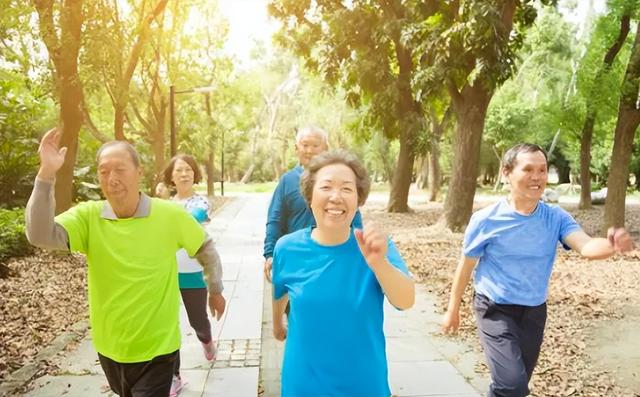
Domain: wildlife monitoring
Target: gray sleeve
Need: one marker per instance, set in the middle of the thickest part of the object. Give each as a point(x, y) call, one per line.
point(42, 230)
point(208, 257)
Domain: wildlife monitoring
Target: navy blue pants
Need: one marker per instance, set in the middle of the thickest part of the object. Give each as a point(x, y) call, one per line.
point(511, 336)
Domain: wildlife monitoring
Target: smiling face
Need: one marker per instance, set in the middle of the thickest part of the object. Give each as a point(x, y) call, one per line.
point(528, 178)
point(118, 175)
point(334, 199)
point(308, 146)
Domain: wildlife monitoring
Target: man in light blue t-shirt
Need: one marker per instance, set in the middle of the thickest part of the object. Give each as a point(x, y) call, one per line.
point(512, 246)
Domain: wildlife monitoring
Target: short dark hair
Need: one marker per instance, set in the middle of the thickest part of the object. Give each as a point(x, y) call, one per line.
point(510, 156)
point(133, 153)
point(339, 156)
point(168, 171)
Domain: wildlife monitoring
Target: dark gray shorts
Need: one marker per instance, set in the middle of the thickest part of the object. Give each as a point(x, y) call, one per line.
point(144, 379)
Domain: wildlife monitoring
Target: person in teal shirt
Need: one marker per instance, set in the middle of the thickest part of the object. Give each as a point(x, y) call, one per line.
point(336, 277)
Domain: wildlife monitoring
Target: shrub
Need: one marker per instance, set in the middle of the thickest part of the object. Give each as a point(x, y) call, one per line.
point(13, 241)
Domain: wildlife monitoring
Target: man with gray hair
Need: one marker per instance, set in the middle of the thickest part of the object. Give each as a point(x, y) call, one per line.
point(288, 211)
point(130, 241)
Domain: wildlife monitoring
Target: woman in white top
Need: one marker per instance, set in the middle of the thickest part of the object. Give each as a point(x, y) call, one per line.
point(181, 174)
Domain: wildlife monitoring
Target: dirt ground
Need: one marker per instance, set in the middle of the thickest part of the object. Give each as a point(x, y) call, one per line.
point(591, 346)
point(592, 339)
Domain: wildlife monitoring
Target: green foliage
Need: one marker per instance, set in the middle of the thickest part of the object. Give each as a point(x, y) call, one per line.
point(379, 157)
point(360, 49)
point(536, 103)
point(22, 113)
point(13, 241)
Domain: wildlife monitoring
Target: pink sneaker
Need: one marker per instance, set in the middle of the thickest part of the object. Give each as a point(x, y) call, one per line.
point(209, 350)
point(176, 386)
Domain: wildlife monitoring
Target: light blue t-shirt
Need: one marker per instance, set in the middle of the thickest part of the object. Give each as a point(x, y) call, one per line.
point(516, 252)
point(335, 344)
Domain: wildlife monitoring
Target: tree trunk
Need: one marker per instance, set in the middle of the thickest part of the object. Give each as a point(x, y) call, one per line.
point(587, 129)
point(422, 179)
point(63, 52)
point(470, 107)
point(498, 180)
point(118, 123)
point(585, 161)
point(435, 176)
point(411, 118)
point(247, 174)
point(628, 120)
point(121, 98)
point(157, 146)
point(399, 195)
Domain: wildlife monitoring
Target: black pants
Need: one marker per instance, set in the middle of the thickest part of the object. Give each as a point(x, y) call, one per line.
point(144, 379)
point(195, 303)
point(511, 336)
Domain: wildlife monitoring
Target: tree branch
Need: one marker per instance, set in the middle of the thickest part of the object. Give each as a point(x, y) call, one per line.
point(138, 115)
point(134, 57)
point(506, 16)
point(617, 45)
point(91, 126)
point(47, 29)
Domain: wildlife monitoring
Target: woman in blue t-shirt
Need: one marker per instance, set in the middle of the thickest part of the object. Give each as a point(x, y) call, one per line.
point(513, 243)
point(335, 279)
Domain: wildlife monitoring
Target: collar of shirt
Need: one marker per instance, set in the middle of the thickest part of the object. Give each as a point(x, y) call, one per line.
point(143, 210)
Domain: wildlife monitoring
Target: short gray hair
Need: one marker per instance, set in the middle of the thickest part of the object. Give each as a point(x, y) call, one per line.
point(312, 130)
point(133, 153)
point(338, 156)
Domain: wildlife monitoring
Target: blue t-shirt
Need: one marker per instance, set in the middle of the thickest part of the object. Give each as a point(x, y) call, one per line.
point(335, 343)
point(516, 251)
point(288, 211)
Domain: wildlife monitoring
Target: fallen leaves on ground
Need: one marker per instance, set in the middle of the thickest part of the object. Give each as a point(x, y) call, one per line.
point(44, 298)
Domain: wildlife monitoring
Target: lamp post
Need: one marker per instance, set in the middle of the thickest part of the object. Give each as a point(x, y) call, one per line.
point(222, 166)
point(172, 111)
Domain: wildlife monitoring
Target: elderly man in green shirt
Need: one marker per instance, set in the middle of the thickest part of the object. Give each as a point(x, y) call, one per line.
point(130, 241)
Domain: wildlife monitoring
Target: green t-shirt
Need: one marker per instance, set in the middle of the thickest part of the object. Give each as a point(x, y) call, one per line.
point(132, 277)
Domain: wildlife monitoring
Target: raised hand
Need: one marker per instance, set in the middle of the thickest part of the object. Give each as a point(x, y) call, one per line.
point(51, 155)
point(372, 244)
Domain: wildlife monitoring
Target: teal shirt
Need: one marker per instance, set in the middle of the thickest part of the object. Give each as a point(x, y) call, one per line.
point(335, 342)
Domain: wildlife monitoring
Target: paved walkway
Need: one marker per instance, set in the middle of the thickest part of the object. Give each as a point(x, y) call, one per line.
point(420, 362)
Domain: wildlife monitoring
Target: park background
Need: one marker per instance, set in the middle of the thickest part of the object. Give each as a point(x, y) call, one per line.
point(428, 93)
